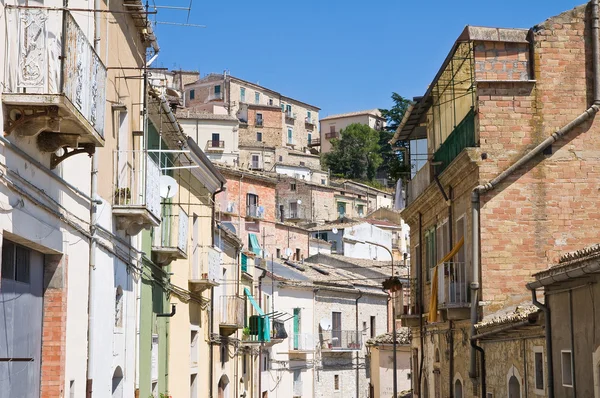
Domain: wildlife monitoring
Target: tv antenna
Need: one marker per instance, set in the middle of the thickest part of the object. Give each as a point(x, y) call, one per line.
point(175, 8)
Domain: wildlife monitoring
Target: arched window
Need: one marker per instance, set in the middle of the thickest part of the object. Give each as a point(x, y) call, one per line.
point(117, 383)
point(119, 307)
point(458, 389)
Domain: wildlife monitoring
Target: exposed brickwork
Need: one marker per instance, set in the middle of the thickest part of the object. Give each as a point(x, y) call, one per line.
point(236, 191)
point(287, 236)
point(501, 61)
point(54, 327)
point(270, 129)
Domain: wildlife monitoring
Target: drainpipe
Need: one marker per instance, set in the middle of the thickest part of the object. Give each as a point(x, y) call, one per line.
point(572, 343)
point(262, 344)
point(548, 332)
point(588, 114)
point(93, 241)
point(360, 294)
point(314, 365)
point(420, 301)
point(210, 345)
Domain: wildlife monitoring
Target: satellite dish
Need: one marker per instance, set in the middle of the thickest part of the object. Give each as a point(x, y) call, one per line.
point(325, 324)
point(288, 252)
point(168, 187)
point(334, 230)
point(299, 202)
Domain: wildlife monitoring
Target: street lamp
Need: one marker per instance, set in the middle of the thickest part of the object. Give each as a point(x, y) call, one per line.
point(395, 343)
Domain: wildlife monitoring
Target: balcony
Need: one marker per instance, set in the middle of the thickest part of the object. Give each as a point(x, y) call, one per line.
point(405, 302)
point(58, 97)
point(258, 123)
point(215, 146)
point(204, 269)
point(293, 215)
point(418, 183)
point(309, 123)
point(228, 209)
point(232, 314)
point(290, 115)
point(136, 199)
point(453, 290)
point(255, 212)
point(257, 324)
point(314, 142)
point(463, 136)
point(170, 238)
point(301, 343)
point(331, 135)
point(215, 97)
point(340, 341)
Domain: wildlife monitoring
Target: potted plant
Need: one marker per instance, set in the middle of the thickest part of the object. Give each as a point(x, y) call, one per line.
point(245, 333)
point(122, 196)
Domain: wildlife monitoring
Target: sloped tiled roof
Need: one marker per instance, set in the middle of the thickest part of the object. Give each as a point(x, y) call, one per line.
point(403, 336)
point(372, 112)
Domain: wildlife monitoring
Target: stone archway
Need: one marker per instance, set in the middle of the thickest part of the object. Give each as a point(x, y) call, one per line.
point(223, 387)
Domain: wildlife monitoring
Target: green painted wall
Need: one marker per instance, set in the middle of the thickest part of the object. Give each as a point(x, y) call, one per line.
point(154, 300)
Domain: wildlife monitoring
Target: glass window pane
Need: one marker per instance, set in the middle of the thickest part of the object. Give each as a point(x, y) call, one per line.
point(22, 264)
point(8, 260)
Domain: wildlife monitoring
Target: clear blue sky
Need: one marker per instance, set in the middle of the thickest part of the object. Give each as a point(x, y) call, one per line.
point(341, 56)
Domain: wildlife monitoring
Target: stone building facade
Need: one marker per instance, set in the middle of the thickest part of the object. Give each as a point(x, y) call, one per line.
point(518, 88)
point(287, 122)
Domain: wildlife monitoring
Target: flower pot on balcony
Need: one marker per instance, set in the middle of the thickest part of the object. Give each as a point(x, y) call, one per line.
point(204, 275)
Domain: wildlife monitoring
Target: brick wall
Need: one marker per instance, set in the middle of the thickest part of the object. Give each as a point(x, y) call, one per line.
point(294, 238)
point(501, 61)
point(54, 326)
point(271, 128)
point(235, 192)
point(550, 206)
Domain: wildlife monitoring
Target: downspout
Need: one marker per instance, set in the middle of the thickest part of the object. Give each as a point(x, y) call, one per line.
point(360, 294)
point(572, 343)
point(93, 241)
point(314, 392)
point(548, 332)
point(588, 114)
point(450, 325)
point(210, 345)
point(262, 344)
point(420, 301)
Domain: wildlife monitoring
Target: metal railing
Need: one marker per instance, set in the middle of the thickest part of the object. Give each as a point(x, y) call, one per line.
point(302, 342)
point(215, 144)
point(453, 285)
point(258, 122)
point(314, 142)
point(331, 135)
point(308, 120)
point(254, 211)
point(205, 265)
point(35, 64)
point(290, 115)
point(463, 136)
point(341, 340)
point(173, 230)
point(232, 311)
point(137, 181)
point(297, 388)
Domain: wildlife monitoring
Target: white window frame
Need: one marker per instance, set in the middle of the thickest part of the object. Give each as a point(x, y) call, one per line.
point(562, 367)
point(539, 350)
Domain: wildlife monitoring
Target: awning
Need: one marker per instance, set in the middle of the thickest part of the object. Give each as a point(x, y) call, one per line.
point(254, 246)
point(253, 302)
point(264, 325)
point(433, 300)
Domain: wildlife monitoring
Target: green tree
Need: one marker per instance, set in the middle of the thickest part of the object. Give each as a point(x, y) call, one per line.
point(356, 154)
point(393, 160)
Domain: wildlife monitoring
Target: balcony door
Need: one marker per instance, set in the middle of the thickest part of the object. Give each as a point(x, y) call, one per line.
point(296, 328)
point(336, 330)
point(215, 140)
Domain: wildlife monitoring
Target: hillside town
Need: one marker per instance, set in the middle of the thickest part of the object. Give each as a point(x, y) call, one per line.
point(171, 233)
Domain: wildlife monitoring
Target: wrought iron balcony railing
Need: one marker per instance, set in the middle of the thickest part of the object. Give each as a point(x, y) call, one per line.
point(341, 340)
